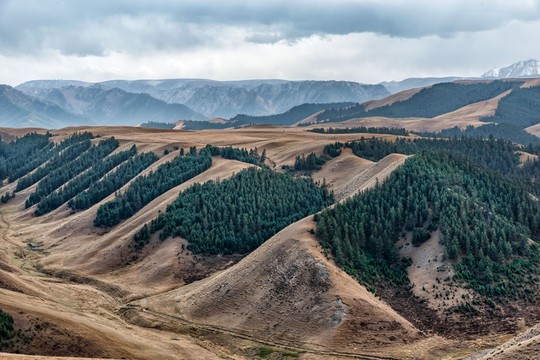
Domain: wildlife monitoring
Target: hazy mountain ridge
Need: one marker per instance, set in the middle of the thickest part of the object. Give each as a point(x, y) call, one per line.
point(287, 118)
point(114, 105)
point(21, 110)
point(229, 98)
point(412, 83)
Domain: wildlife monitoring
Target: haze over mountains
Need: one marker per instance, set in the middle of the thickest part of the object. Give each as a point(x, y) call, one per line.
point(204, 98)
point(21, 110)
point(113, 105)
point(60, 103)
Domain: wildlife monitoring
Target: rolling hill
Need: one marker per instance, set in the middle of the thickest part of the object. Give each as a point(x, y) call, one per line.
point(411, 257)
point(503, 108)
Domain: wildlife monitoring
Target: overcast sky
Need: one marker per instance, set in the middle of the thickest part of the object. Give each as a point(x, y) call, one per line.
point(365, 40)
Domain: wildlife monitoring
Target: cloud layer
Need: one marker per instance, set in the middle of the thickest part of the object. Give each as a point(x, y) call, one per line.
point(227, 37)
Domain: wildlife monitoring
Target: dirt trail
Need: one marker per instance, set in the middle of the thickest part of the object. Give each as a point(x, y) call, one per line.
point(197, 327)
point(523, 346)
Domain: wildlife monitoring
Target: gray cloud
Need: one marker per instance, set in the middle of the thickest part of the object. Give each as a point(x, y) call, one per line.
point(364, 40)
point(99, 27)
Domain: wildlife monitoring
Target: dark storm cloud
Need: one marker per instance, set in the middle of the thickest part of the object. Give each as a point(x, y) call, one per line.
point(99, 27)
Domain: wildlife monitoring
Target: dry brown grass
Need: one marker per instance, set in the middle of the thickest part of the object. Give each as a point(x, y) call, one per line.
point(287, 291)
point(535, 130)
point(525, 156)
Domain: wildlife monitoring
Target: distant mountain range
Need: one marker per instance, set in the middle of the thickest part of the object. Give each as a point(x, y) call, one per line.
point(60, 103)
point(112, 105)
point(225, 98)
point(412, 83)
point(20, 110)
point(521, 69)
point(527, 68)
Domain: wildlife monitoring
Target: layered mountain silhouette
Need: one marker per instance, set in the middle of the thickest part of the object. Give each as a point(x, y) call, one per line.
point(216, 98)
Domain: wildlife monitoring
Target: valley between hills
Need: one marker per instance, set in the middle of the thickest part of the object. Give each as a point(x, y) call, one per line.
point(339, 241)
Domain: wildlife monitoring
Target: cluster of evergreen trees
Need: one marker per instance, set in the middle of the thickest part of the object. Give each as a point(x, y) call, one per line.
point(17, 155)
point(82, 181)
point(7, 196)
point(504, 131)
point(7, 330)
point(67, 154)
point(66, 171)
point(48, 153)
point(239, 214)
point(111, 182)
point(308, 163)
point(361, 130)
point(333, 150)
point(519, 108)
point(313, 162)
point(485, 219)
point(252, 156)
point(146, 188)
point(496, 154)
point(158, 125)
point(22, 155)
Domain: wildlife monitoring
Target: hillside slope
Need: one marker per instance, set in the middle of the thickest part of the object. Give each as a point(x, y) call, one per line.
point(302, 292)
point(287, 291)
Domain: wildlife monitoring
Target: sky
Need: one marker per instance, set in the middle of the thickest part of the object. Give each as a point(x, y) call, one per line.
point(368, 41)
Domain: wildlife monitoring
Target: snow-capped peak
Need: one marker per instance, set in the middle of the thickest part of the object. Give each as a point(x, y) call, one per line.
point(526, 68)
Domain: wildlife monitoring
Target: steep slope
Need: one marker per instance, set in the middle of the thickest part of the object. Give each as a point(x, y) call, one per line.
point(288, 292)
point(20, 110)
point(340, 171)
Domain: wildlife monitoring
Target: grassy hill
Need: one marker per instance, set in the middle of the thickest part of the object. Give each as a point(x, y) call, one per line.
point(427, 103)
point(211, 235)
